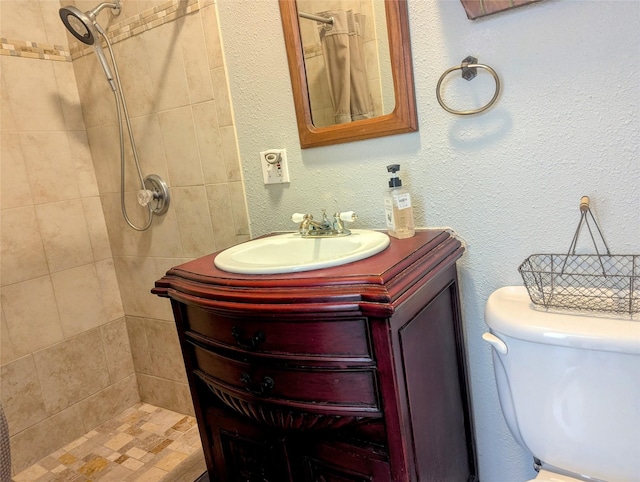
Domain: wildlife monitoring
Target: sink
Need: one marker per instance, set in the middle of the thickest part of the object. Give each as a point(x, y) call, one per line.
point(291, 253)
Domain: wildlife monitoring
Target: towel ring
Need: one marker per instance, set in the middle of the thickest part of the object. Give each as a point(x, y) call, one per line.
point(469, 68)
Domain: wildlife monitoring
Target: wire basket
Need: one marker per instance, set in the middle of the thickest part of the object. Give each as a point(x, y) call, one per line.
point(592, 282)
point(583, 282)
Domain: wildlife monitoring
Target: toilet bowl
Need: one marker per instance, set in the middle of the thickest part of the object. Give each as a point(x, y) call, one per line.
point(569, 387)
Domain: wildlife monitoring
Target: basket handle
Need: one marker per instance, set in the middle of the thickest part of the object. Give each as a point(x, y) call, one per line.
point(584, 211)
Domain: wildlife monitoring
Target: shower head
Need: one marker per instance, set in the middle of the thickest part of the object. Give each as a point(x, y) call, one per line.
point(85, 27)
point(82, 25)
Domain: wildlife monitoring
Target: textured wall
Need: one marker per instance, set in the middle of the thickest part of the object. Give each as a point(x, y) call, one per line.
point(508, 181)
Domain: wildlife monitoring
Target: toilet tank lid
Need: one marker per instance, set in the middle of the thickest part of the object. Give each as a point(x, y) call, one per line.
point(509, 311)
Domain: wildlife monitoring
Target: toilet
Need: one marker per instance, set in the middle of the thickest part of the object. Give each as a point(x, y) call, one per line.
point(569, 387)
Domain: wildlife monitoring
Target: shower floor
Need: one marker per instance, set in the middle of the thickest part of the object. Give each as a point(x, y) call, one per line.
point(144, 443)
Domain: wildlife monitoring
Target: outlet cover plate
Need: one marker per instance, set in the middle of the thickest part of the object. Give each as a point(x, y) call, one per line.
point(275, 169)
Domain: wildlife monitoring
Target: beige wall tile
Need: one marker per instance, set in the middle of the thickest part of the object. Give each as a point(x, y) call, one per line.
point(165, 393)
point(161, 239)
point(64, 234)
point(109, 289)
point(115, 223)
point(7, 120)
point(72, 370)
point(139, 344)
point(166, 66)
point(98, 103)
point(230, 151)
point(33, 94)
point(194, 222)
point(104, 143)
point(54, 28)
point(209, 143)
point(79, 298)
point(148, 135)
point(124, 241)
point(136, 277)
point(181, 148)
point(83, 163)
point(7, 353)
point(164, 350)
point(22, 20)
point(239, 208)
point(109, 402)
point(14, 188)
point(129, 8)
point(212, 37)
point(21, 394)
point(136, 76)
point(45, 437)
point(117, 350)
point(50, 167)
point(196, 64)
point(97, 228)
point(68, 93)
point(162, 266)
point(22, 252)
point(147, 4)
point(221, 96)
point(219, 209)
point(32, 326)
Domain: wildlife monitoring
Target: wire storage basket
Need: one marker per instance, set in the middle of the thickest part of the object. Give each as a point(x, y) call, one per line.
point(592, 282)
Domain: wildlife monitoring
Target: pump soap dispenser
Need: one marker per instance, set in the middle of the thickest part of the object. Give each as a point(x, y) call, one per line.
point(398, 208)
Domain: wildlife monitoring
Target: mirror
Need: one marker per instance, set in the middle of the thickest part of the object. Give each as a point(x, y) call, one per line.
point(398, 118)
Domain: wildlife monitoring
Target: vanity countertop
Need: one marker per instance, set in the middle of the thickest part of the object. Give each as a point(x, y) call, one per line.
point(380, 279)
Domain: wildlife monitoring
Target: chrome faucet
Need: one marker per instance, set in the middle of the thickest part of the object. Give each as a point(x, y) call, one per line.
point(326, 228)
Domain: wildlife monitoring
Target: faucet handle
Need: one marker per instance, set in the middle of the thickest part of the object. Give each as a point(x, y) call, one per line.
point(298, 217)
point(348, 216)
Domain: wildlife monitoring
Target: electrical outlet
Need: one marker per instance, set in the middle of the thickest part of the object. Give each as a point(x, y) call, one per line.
point(274, 166)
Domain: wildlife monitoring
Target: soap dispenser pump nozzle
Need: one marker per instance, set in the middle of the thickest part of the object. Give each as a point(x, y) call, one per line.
point(394, 181)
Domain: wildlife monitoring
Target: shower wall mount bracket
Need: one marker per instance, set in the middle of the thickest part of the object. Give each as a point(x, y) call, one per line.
point(156, 193)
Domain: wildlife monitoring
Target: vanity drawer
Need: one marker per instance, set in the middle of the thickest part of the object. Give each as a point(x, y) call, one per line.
point(343, 338)
point(300, 387)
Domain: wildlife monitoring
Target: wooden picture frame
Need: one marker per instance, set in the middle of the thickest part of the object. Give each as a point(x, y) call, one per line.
point(480, 8)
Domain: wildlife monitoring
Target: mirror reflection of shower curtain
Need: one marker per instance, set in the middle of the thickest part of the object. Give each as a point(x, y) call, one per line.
point(344, 57)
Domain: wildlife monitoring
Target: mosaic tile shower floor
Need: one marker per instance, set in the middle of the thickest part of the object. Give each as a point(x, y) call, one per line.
point(145, 443)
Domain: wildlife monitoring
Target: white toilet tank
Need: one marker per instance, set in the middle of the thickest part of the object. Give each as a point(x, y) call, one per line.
point(569, 385)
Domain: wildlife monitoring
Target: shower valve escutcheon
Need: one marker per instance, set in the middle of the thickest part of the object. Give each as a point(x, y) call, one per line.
point(309, 228)
point(155, 194)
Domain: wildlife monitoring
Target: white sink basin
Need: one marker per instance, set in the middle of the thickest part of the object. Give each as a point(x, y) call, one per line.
point(290, 253)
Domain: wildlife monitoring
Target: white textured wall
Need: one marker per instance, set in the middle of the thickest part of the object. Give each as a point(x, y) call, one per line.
point(508, 181)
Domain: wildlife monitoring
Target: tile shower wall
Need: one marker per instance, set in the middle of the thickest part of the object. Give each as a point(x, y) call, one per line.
point(170, 61)
point(66, 364)
point(71, 361)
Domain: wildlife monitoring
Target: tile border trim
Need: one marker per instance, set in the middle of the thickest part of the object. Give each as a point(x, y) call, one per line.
point(134, 25)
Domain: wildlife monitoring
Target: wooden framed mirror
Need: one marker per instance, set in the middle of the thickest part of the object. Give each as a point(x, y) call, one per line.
point(402, 118)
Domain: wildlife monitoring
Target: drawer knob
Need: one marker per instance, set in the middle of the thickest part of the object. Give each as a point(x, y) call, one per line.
point(258, 389)
point(248, 343)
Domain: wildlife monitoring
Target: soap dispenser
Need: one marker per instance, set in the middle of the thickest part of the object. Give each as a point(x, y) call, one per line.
point(397, 206)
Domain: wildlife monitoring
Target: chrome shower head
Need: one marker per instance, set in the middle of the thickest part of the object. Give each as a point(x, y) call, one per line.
point(83, 24)
point(85, 27)
point(79, 24)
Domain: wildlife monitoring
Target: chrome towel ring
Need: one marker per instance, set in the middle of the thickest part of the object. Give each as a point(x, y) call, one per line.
point(469, 69)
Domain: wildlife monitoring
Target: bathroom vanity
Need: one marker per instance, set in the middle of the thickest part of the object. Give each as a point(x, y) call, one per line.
point(344, 374)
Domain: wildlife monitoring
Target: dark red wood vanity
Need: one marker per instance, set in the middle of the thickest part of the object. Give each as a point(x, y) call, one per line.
point(347, 374)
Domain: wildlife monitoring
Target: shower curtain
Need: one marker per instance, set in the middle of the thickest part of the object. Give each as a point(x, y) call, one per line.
point(343, 48)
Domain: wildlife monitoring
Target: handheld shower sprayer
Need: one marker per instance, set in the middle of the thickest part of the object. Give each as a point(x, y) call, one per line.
point(85, 27)
point(154, 193)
